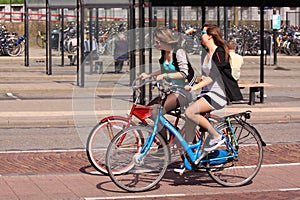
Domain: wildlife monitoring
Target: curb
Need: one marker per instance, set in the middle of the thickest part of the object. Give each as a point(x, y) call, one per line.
point(63, 120)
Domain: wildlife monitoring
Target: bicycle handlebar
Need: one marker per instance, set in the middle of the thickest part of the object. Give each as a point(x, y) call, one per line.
point(162, 85)
point(136, 86)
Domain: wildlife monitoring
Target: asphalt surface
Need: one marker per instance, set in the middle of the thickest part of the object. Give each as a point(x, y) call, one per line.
point(34, 101)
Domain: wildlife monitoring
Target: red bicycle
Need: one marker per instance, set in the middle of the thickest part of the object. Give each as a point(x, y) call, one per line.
point(101, 135)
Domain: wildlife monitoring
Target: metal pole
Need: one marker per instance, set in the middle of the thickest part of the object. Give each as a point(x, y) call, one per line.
point(166, 16)
point(82, 67)
point(49, 41)
point(142, 45)
point(203, 15)
point(262, 27)
point(26, 36)
point(170, 18)
point(132, 26)
point(225, 23)
point(61, 38)
point(78, 40)
point(218, 15)
point(149, 48)
point(179, 19)
point(97, 26)
point(91, 39)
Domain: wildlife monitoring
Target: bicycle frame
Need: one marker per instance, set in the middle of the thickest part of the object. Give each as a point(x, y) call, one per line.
point(193, 151)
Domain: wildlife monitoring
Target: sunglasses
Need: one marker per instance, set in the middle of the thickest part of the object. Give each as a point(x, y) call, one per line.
point(203, 32)
point(157, 42)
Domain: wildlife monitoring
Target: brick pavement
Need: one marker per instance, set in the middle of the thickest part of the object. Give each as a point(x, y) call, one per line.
point(75, 161)
point(68, 175)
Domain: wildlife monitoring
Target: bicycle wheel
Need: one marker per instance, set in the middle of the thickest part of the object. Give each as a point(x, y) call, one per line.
point(124, 152)
point(12, 49)
point(241, 170)
point(99, 139)
point(40, 41)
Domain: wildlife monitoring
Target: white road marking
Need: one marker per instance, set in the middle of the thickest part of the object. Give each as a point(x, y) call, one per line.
point(281, 165)
point(289, 189)
point(137, 196)
point(13, 96)
point(185, 195)
point(42, 151)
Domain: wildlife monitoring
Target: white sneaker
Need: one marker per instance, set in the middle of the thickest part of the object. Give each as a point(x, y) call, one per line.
point(214, 144)
point(180, 170)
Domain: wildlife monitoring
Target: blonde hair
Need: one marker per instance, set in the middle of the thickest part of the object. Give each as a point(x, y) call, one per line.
point(165, 35)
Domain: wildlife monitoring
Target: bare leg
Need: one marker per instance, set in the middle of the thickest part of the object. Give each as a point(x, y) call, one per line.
point(173, 101)
point(193, 115)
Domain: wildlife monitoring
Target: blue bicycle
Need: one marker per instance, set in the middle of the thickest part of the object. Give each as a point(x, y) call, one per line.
point(138, 157)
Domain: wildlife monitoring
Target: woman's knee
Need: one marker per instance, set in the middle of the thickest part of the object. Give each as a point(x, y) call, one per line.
point(154, 111)
point(189, 112)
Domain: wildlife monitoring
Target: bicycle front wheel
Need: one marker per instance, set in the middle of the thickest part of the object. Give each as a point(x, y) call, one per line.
point(40, 41)
point(242, 169)
point(125, 152)
point(100, 137)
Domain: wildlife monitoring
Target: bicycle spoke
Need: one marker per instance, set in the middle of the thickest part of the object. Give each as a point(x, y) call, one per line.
point(143, 172)
point(241, 169)
point(99, 139)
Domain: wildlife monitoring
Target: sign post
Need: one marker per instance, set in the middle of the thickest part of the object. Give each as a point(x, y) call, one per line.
point(276, 26)
point(276, 22)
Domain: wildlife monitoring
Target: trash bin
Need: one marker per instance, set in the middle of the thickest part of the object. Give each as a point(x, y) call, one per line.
point(267, 44)
point(55, 40)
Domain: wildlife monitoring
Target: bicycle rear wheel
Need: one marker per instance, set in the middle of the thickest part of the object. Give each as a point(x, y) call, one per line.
point(124, 153)
point(100, 137)
point(242, 169)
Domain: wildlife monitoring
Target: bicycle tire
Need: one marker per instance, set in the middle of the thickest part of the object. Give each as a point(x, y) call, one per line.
point(40, 42)
point(71, 48)
point(140, 175)
point(99, 138)
point(12, 49)
point(239, 171)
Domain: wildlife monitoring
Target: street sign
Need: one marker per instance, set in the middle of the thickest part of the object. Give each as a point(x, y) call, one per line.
point(276, 22)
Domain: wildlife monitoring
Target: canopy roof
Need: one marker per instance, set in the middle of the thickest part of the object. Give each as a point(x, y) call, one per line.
point(62, 3)
point(106, 3)
point(243, 3)
point(35, 3)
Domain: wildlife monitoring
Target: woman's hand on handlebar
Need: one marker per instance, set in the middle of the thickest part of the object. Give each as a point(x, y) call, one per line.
point(144, 76)
point(188, 88)
point(160, 77)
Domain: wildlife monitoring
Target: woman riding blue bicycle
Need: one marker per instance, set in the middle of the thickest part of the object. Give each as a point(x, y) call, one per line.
point(217, 84)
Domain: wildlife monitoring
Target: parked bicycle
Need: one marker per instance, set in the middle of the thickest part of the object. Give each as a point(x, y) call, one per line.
point(41, 39)
point(137, 157)
point(8, 45)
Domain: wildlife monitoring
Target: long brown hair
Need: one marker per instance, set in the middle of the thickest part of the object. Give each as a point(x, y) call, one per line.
point(216, 33)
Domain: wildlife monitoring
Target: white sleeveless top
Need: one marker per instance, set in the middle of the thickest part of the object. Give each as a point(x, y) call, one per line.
point(213, 90)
